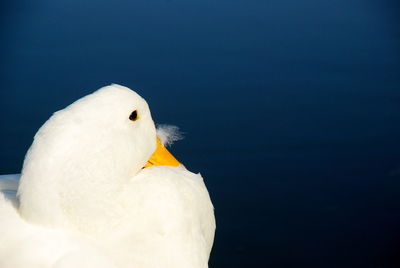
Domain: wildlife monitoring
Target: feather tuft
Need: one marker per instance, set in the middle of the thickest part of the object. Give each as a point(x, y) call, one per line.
point(169, 134)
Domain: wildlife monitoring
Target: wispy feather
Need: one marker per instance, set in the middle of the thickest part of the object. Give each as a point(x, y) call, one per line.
point(169, 134)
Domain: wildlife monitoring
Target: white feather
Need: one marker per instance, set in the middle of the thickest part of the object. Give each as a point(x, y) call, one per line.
point(168, 134)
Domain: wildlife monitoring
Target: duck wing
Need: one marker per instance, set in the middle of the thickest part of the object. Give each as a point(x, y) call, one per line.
point(25, 245)
point(9, 186)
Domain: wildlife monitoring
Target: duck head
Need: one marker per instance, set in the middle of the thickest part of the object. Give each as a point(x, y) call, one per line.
point(84, 154)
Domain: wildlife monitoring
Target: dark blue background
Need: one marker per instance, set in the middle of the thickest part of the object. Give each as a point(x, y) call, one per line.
point(291, 110)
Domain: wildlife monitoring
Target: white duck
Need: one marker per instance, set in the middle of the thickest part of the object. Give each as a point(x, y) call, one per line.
point(85, 199)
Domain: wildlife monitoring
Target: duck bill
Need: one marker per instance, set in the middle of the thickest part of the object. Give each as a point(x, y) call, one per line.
point(162, 157)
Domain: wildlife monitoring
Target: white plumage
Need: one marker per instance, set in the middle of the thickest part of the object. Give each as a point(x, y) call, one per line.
point(85, 201)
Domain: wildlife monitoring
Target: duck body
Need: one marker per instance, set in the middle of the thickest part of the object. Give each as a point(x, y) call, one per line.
point(84, 199)
point(174, 221)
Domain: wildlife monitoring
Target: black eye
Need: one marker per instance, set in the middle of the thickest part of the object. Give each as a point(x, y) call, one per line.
point(134, 116)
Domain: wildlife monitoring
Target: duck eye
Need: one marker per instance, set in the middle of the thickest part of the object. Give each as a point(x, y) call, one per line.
point(134, 116)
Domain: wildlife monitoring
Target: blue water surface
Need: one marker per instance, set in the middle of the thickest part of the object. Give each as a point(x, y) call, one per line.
point(291, 110)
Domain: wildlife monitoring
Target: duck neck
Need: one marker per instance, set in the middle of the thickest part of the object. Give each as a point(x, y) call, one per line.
point(72, 195)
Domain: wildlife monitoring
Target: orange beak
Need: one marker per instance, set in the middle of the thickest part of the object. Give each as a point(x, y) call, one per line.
point(162, 157)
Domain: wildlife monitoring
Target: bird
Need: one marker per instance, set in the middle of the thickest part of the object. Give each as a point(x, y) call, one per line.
point(99, 188)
